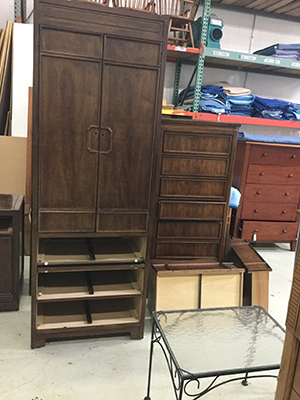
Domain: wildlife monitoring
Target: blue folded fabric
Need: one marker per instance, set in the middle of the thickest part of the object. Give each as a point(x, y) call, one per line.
point(271, 50)
point(235, 197)
point(214, 106)
point(249, 137)
point(241, 100)
point(244, 111)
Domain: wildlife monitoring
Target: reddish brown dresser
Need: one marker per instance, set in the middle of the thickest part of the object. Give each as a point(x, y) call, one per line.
point(268, 177)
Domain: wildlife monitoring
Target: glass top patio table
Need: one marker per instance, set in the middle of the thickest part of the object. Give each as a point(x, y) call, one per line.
point(221, 341)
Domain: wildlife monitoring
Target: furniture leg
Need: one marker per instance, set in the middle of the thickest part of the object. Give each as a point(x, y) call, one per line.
point(150, 363)
point(245, 381)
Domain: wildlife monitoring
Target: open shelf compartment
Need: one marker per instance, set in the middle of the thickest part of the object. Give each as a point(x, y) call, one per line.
point(88, 251)
point(80, 314)
point(90, 285)
point(6, 225)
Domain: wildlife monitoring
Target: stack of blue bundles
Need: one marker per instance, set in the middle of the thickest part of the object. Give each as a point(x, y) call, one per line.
point(241, 105)
point(276, 109)
point(286, 51)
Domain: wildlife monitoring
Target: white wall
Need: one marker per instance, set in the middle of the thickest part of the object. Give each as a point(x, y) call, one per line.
point(6, 12)
point(22, 77)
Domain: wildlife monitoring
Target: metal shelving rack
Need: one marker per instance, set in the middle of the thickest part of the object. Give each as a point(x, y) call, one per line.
point(227, 59)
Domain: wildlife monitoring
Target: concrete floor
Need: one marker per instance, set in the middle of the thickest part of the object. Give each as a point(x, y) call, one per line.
point(115, 368)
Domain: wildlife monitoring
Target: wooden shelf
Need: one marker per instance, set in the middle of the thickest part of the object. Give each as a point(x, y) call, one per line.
point(106, 284)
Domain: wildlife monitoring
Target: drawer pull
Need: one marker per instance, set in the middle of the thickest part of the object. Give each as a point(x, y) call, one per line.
point(287, 194)
point(283, 212)
point(284, 231)
point(258, 192)
point(264, 154)
point(294, 156)
point(256, 211)
point(290, 175)
point(254, 235)
point(261, 174)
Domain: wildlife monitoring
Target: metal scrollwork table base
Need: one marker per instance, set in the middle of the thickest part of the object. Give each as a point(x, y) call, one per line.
point(211, 343)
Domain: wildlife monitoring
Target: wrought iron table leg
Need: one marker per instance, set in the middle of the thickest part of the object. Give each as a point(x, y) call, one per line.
point(245, 381)
point(150, 363)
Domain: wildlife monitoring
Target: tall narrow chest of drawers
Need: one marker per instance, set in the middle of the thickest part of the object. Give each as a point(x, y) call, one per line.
point(191, 198)
point(268, 177)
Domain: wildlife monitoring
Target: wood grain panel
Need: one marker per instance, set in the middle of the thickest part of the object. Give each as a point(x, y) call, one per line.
point(191, 210)
point(196, 144)
point(192, 230)
point(275, 155)
point(132, 52)
point(125, 171)
point(122, 222)
point(273, 174)
point(272, 231)
point(272, 193)
point(68, 170)
point(194, 166)
point(263, 211)
point(193, 188)
point(186, 250)
point(71, 43)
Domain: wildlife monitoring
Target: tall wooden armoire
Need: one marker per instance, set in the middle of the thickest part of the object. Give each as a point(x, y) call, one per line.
point(98, 80)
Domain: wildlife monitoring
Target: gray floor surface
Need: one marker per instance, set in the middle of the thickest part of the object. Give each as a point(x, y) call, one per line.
point(115, 368)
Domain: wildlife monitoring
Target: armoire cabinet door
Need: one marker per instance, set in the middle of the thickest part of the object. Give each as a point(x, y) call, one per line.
point(128, 122)
point(70, 74)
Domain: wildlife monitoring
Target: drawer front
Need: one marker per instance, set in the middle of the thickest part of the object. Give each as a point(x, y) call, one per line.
point(273, 174)
point(191, 210)
point(274, 155)
point(296, 380)
point(200, 189)
point(189, 230)
point(272, 231)
point(196, 144)
point(272, 193)
point(217, 168)
point(186, 249)
point(263, 211)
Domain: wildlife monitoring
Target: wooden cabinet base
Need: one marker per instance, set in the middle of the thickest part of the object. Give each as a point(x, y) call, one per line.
point(40, 338)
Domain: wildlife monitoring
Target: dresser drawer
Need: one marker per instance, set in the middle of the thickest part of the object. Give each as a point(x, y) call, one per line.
point(191, 210)
point(274, 155)
point(271, 193)
point(270, 231)
point(205, 167)
point(186, 250)
point(273, 174)
point(191, 229)
point(196, 143)
point(269, 211)
point(193, 188)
